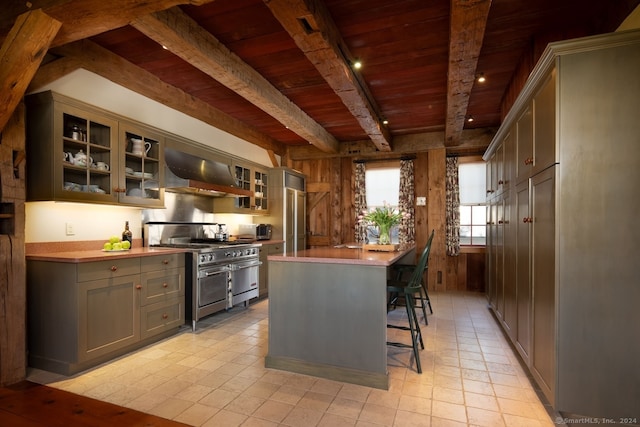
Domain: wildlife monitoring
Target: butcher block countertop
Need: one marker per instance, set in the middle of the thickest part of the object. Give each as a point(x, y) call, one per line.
point(100, 255)
point(344, 254)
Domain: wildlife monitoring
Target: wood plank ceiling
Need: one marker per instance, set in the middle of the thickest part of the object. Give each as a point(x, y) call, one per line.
point(283, 69)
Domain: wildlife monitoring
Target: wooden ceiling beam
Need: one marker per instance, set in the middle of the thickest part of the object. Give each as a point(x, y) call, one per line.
point(474, 141)
point(20, 55)
point(52, 71)
point(311, 26)
point(185, 38)
point(82, 19)
point(105, 63)
point(467, 26)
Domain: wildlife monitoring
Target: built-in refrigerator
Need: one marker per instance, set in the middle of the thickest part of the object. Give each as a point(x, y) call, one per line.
point(287, 213)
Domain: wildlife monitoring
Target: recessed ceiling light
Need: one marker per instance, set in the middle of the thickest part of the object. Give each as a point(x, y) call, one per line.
point(385, 122)
point(470, 119)
point(357, 64)
point(481, 78)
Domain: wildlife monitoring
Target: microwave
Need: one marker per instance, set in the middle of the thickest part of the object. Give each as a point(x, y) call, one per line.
point(263, 231)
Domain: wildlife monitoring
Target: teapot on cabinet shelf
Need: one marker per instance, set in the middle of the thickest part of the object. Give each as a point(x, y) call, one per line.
point(80, 158)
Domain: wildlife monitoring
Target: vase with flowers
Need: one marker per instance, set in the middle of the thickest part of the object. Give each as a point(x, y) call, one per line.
point(384, 218)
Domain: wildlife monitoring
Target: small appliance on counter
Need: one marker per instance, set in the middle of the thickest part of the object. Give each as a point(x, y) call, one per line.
point(255, 231)
point(263, 232)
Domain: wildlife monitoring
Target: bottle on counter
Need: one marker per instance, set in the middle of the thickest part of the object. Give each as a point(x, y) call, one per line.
point(126, 234)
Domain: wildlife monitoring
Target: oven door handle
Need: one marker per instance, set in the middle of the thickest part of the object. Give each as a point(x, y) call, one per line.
point(218, 270)
point(240, 266)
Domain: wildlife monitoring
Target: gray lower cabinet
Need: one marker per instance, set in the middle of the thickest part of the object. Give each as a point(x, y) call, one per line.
point(83, 314)
point(266, 250)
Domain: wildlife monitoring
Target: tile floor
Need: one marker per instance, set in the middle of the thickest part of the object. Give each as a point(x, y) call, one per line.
point(216, 377)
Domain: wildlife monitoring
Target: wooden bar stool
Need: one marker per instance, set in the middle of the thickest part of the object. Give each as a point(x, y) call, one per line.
point(410, 291)
point(422, 296)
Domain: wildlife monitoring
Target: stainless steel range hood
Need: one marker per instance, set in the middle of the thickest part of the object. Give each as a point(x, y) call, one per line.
point(186, 173)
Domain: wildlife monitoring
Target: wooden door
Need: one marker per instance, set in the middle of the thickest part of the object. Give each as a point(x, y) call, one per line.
point(545, 126)
point(522, 226)
point(109, 316)
point(508, 276)
point(499, 247)
point(524, 145)
point(543, 280)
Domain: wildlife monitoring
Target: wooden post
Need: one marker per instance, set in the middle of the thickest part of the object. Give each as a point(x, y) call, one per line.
point(13, 300)
point(437, 218)
point(21, 55)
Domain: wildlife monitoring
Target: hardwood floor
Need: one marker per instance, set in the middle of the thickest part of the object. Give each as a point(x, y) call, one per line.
point(28, 404)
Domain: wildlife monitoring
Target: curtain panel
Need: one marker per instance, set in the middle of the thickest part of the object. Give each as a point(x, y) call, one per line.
point(407, 232)
point(360, 201)
point(452, 208)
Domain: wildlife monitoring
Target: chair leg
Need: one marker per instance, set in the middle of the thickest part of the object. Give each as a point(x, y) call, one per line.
point(392, 301)
point(414, 328)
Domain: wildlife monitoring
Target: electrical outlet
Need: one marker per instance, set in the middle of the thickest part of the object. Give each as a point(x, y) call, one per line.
point(69, 229)
point(421, 201)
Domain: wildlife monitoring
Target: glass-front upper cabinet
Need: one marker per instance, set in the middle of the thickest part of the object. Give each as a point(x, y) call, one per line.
point(88, 154)
point(80, 153)
point(141, 174)
point(71, 151)
point(251, 178)
point(243, 180)
point(261, 193)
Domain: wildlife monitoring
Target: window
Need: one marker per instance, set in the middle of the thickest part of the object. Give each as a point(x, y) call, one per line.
point(383, 185)
point(473, 211)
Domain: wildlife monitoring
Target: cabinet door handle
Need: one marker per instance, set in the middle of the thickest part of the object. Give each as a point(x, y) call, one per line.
point(138, 286)
point(165, 261)
point(528, 161)
point(527, 219)
point(114, 268)
point(165, 316)
point(164, 285)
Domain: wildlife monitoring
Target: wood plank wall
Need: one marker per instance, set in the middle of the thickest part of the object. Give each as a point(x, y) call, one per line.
point(332, 216)
point(12, 259)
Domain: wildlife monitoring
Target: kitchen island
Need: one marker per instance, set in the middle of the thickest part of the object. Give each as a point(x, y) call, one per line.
point(328, 313)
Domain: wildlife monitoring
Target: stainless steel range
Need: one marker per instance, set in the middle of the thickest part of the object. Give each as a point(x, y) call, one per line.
point(219, 274)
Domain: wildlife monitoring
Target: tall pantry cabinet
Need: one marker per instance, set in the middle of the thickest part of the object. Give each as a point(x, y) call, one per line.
point(563, 181)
